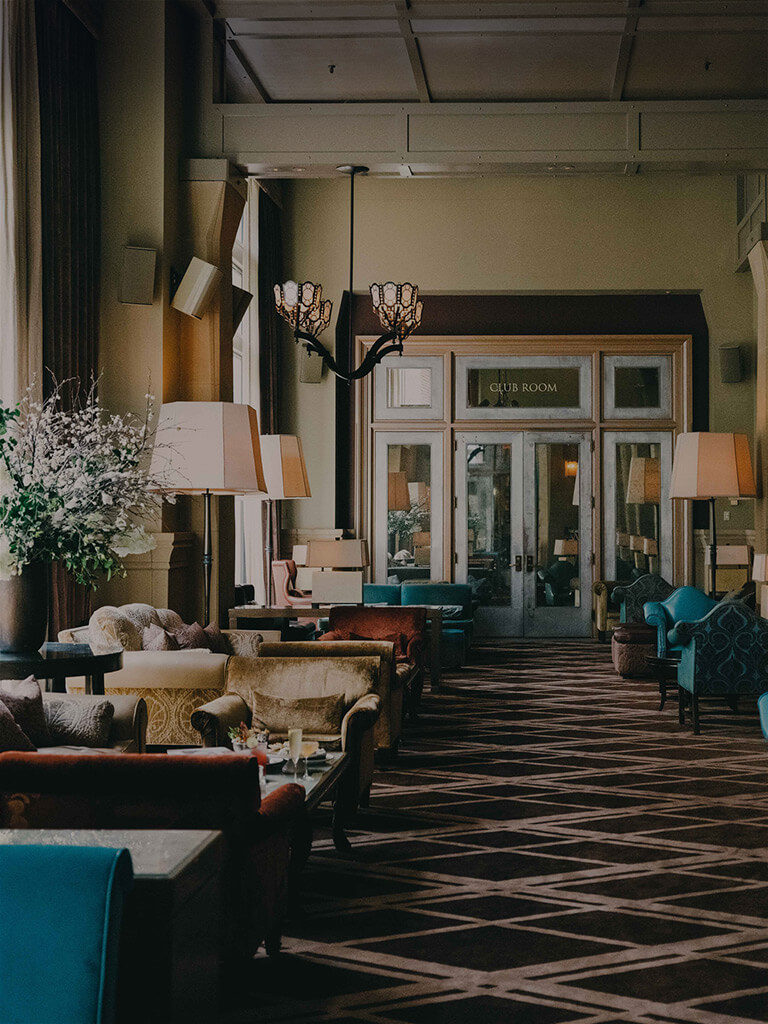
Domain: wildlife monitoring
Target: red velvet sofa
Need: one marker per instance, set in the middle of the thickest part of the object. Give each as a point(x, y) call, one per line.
point(146, 791)
point(404, 626)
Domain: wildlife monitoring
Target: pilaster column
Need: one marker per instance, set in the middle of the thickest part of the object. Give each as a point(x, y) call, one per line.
point(758, 262)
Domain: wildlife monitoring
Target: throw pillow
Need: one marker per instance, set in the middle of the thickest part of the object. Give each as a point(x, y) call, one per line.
point(80, 722)
point(155, 638)
point(216, 639)
point(312, 714)
point(400, 641)
point(192, 637)
point(11, 736)
point(24, 700)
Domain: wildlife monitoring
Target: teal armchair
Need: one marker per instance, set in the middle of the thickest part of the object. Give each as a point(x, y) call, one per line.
point(458, 621)
point(381, 593)
point(686, 604)
point(61, 909)
point(724, 655)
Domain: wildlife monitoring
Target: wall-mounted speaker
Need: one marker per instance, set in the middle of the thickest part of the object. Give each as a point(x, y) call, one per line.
point(241, 300)
point(196, 290)
point(731, 364)
point(137, 276)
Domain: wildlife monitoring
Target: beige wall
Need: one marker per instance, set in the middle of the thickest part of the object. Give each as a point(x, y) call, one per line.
point(582, 234)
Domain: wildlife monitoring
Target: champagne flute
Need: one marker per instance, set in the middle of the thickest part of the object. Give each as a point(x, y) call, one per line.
point(294, 749)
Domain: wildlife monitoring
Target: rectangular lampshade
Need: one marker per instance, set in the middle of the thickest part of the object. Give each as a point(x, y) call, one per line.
point(338, 554)
point(760, 569)
point(712, 466)
point(208, 446)
point(398, 497)
point(418, 493)
point(729, 554)
point(622, 540)
point(299, 554)
point(650, 546)
point(636, 543)
point(284, 468)
point(644, 481)
point(337, 587)
point(566, 547)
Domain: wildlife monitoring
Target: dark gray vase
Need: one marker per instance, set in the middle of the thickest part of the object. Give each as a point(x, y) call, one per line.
point(24, 609)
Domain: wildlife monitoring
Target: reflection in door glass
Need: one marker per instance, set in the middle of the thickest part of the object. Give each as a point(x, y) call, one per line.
point(638, 493)
point(488, 522)
point(409, 515)
point(557, 526)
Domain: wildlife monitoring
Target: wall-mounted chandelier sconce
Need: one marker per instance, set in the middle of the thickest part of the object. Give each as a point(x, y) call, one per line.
point(397, 306)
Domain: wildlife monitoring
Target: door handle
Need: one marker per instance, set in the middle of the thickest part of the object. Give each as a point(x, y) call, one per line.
point(518, 563)
point(529, 563)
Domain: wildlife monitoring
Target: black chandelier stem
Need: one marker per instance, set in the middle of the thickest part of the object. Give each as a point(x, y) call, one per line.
point(383, 346)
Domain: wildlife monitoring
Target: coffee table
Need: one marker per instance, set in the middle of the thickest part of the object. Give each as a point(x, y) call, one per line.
point(320, 784)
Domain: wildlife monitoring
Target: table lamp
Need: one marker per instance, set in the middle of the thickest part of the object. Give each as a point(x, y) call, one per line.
point(286, 476)
point(644, 486)
point(712, 466)
point(208, 448)
point(566, 548)
point(346, 585)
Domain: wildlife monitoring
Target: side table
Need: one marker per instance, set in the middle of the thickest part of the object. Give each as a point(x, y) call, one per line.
point(58, 662)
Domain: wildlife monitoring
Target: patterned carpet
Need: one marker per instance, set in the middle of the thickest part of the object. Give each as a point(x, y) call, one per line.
point(548, 848)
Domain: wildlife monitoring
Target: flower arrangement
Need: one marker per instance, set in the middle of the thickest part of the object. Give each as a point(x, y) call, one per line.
point(74, 486)
point(244, 737)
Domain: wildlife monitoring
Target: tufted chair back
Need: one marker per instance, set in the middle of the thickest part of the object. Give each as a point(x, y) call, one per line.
point(632, 599)
point(112, 627)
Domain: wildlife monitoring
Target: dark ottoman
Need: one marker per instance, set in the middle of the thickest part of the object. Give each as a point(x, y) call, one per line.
point(631, 645)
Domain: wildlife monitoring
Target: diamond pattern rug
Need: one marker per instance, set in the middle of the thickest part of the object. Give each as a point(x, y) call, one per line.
point(548, 847)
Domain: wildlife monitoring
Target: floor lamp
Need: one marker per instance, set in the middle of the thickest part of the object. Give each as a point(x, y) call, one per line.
point(285, 473)
point(208, 448)
point(712, 466)
point(644, 488)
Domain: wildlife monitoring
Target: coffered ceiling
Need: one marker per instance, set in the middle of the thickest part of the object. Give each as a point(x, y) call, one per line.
point(426, 51)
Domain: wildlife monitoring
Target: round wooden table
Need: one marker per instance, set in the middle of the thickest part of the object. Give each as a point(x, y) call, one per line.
point(57, 662)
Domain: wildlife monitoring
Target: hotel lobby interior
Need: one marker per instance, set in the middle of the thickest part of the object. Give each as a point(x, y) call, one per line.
point(383, 511)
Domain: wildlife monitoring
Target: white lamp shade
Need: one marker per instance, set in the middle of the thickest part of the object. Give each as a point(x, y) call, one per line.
point(284, 467)
point(729, 554)
point(338, 554)
point(712, 466)
point(208, 446)
point(644, 483)
point(299, 554)
point(760, 569)
point(566, 547)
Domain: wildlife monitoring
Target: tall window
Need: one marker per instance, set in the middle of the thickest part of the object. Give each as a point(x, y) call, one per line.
point(248, 545)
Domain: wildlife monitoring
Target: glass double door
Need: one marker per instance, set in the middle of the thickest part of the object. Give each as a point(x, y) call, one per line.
point(523, 530)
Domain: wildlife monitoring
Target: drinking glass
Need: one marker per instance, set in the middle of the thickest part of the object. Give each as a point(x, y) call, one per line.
point(294, 748)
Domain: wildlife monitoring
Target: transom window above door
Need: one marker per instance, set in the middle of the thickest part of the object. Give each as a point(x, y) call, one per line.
point(523, 387)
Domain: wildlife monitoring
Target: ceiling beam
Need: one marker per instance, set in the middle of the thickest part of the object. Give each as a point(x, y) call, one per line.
point(624, 55)
point(247, 71)
point(412, 48)
point(301, 139)
point(274, 10)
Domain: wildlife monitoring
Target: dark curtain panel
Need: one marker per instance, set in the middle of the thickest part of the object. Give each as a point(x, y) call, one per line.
point(270, 274)
point(71, 229)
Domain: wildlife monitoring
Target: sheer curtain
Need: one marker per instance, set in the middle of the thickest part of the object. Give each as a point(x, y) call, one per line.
point(20, 218)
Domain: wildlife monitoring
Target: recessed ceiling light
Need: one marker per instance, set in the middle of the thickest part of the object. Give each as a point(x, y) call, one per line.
point(299, 168)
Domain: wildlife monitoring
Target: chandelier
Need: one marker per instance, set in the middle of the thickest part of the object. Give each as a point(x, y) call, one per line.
point(397, 306)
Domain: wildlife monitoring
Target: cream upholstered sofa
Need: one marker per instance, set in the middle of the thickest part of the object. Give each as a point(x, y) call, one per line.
point(172, 683)
point(333, 700)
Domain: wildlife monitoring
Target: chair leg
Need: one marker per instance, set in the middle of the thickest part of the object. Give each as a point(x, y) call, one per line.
point(681, 701)
point(733, 703)
point(695, 714)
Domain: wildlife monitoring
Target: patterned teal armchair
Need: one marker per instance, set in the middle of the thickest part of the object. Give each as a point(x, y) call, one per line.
point(631, 599)
point(725, 655)
point(686, 604)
